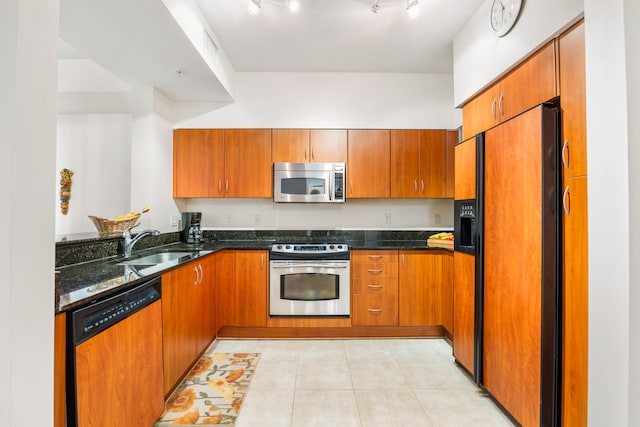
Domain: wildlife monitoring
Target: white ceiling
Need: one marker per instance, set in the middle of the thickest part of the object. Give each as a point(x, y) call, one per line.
point(141, 43)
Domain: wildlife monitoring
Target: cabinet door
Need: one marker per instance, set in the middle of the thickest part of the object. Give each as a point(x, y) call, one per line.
point(443, 266)
point(452, 140)
point(417, 288)
point(224, 294)
point(198, 163)
point(328, 145)
point(481, 113)
point(464, 309)
point(248, 166)
point(178, 323)
point(530, 84)
point(433, 163)
point(290, 145)
point(572, 101)
point(575, 303)
point(369, 158)
point(59, 370)
point(204, 298)
point(465, 170)
point(251, 288)
point(405, 163)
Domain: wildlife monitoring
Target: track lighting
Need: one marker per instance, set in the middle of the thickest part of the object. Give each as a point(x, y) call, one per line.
point(255, 6)
point(412, 8)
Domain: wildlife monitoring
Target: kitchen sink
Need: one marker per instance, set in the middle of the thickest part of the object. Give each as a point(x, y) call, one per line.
point(159, 258)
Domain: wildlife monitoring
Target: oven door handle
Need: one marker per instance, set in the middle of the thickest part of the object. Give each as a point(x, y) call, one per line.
point(314, 265)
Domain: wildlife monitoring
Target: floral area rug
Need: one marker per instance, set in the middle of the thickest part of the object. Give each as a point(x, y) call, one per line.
point(213, 392)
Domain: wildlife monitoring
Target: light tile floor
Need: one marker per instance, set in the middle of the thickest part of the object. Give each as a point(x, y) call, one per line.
point(360, 383)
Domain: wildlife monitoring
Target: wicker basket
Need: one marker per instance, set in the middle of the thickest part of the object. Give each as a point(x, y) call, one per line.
point(112, 227)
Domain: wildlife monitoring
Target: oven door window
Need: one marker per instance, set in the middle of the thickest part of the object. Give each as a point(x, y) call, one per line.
point(309, 287)
point(303, 186)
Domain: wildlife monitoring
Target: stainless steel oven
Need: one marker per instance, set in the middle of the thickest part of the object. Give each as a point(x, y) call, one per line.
point(309, 280)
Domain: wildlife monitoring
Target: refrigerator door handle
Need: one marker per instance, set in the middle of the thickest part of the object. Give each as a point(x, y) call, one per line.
point(566, 207)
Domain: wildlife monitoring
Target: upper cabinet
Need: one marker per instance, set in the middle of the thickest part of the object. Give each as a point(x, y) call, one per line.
point(304, 145)
point(248, 166)
point(369, 163)
point(452, 140)
point(572, 101)
point(465, 170)
point(222, 163)
point(198, 163)
point(418, 163)
point(529, 84)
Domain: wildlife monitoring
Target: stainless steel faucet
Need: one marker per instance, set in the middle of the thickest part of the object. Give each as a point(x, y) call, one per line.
point(129, 241)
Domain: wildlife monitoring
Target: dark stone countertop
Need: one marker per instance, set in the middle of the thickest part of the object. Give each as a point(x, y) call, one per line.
point(84, 282)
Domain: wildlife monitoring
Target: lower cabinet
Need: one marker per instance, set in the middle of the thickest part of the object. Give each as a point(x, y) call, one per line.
point(374, 284)
point(188, 319)
point(426, 288)
point(59, 371)
point(241, 288)
point(464, 289)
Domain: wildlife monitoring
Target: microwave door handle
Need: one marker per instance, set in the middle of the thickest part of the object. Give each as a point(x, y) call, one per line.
point(330, 187)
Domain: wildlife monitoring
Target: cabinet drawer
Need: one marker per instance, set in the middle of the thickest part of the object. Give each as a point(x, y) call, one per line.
point(375, 310)
point(374, 256)
point(374, 269)
point(374, 285)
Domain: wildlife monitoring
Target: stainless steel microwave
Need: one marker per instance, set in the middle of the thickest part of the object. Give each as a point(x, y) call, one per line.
point(309, 182)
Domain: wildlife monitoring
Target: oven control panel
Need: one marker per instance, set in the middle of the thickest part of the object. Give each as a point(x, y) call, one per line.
point(325, 248)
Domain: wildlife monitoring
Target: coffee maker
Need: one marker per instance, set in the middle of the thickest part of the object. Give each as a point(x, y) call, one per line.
point(191, 231)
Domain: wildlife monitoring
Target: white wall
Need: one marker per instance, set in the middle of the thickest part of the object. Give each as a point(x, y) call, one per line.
point(328, 100)
point(612, 93)
point(28, 34)
point(97, 148)
point(479, 56)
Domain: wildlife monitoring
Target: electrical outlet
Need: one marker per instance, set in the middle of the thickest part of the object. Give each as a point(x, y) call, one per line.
point(257, 219)
point(228, 220)
point(173, 220)
point(387, 219)
point(436, 219)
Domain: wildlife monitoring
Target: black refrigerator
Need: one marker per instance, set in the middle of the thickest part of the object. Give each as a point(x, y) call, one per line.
point(516, 247)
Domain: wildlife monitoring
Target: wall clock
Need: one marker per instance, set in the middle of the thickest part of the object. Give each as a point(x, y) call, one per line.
point(504, 14)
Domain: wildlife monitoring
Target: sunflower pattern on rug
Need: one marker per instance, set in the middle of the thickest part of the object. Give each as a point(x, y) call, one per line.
point(212, 392)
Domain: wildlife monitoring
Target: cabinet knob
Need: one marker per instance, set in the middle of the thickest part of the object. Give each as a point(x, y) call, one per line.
point(375, 310)
point(565, 158)
point(374, 271)
point(566, 201)
point(493, 109)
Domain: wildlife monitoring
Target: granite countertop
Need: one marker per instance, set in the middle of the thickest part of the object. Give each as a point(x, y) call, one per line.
point(85, 282)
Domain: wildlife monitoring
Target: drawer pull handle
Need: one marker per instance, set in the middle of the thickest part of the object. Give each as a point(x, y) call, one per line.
point(375, 271)
point(376, 286)
point(375, 310)
point(374, 256)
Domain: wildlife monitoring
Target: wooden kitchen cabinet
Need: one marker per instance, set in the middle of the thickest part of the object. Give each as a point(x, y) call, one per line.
point(304, 145)
point(248, 166)
point(369, 163)
point(575, 297)
point(452, 140)
point(426, 288)
point(59, 370)
point(529, 84)
point(418, 163)
point(575, 256)
point(573, 101)
point(198, 163)
point(374, 285)
point(241, 288)
point(188, 321)
point(464, 310)
point(465, 170)
point(251, 272)
point(222, 163)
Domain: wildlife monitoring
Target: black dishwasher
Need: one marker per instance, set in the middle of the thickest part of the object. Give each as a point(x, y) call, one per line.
point(114, 360)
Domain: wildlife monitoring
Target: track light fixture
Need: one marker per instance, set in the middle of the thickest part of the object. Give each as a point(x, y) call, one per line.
point(255, 6)
point(412, 8)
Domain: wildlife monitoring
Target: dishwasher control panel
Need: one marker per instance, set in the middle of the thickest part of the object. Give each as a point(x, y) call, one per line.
point(97, 317)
